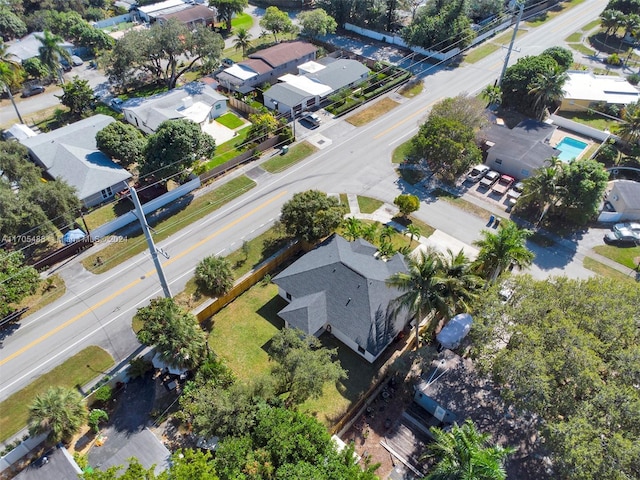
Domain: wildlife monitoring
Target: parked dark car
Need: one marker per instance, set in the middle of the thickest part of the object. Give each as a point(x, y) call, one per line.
point(33, 90)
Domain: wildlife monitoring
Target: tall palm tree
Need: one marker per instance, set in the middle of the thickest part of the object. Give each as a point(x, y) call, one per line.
point(466, 454)
point(610, 20)
point(243, 40)
point(501, 249)
point(460, 282)
point(547, 89)
point(629, 131)
point(51, 52)
point(10, 70)
point(60, 411)
point(544, 188)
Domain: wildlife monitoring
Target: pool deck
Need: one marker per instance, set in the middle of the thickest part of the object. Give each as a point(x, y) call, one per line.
point(560, 133)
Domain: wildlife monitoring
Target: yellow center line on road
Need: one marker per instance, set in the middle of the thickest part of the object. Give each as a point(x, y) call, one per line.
point(393, 127)
point(138, 280)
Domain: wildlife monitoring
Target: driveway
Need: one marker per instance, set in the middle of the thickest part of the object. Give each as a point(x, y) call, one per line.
point(127, 435)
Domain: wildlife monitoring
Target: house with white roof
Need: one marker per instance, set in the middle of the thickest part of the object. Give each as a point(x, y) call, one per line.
point(149, 13)
point(70, 153)
point(583, 90)
point(315, 82)
point(196, 101)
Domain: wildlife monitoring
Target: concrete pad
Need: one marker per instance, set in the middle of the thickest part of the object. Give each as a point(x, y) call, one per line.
point(218, 131)
point(441, 242)
point(319, 141)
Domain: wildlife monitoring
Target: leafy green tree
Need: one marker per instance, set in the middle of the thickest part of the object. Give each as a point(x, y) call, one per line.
point(341, 10)
point(571, 357)
point(584, 183)
point(407, 204)
point(17, 280)
point(276, 21)
point(311, 215)
point(447, 145)
point(35, 68)
point(11, 25)
point(501, 249)
point(303, 367)
point(546, 89)
point(214, 276)
point(492, 94)
point(189, 464)
point(174, 332)
point(316, 23)
point(611, 20)
point(133, 471)
point(96, 416)
point(60, 411)
point(175, 147)
point(78, 96)
point(58, 201)
point(483, 9)
point(352, 228)
point(440, 26)
point(123, 142)
point(90, 37)
point(562, 56)
point(262, 126)
point(518, 85)
point(465, 453)
point(227, 9)
point(51, 53)
point(243, 40)
point(462, 108)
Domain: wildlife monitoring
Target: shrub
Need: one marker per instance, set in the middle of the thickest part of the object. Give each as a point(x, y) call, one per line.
point(633, 79)
point(214, 275)
point(103, 394)
point(613, 59)
point(138, 367)
point(95, 417)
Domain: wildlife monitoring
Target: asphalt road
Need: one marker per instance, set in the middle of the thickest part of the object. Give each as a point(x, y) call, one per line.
point(98, 309)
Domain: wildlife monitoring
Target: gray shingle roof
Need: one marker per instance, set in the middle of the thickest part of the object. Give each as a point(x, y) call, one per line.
point(287, 94)
point(340, 73)
point(630, 193)
point(70, 153)
point(341, 283)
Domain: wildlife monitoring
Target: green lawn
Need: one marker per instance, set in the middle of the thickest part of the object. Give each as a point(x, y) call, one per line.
point(73, 373)
point(401, 152)
point(344, 200)
point(228, 150)
point(368, 204)
point(49, 290)
point(230, 120)
point(582, 48)
point(241, 334)
point(574, 38)
point(296, 153)
point(116, 253)
point(244, 20)
point(591, 25)
point(622, 255)
point(490, 46)
point(594, 119)
point(605, 270)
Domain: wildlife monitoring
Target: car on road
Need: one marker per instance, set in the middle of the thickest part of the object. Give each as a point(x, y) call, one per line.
point(310, 117)
point(622, 236)
point(477, 173)
point(489, 179)
point(33, 90)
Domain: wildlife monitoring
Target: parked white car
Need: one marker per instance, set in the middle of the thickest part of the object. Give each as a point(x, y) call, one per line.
point(477, 173)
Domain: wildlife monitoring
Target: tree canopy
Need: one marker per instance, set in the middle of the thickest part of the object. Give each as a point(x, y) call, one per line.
point(316, 23)
point(311, 215)
point(407, 204)
point(60, 411)
point(175, 147)
point(276, 21)
point(226, 9)
point(214, 276)
point(440, 26)
point(17, 280)
point(123, 142)
point(78, 96)
point(174, 332)
point(572, 356)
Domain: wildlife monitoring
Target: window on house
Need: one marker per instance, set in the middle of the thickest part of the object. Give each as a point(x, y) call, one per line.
point(361, 350)
point(498, 161)
point(525, 173)
point(288, 295)
point(107, 193)
point(218, 106)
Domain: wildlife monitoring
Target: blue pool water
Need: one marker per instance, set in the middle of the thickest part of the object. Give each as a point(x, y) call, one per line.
point(570, 148)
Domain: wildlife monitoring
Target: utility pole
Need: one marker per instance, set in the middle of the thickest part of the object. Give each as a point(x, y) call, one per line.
point(513, 39)
point(152, 247)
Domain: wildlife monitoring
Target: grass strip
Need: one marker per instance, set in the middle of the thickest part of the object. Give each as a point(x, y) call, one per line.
point(401, 152)
point(344, 200)
point(575, 37)
point(73, 373)
point(368, 204)
point(49, 290)
point(582, 48)
point(622, 255)
point(295, 154)
point(461, 203)
point(605, 270)
point(371, 113)
point(554, 12)
point(115, 253)
point(412, 89)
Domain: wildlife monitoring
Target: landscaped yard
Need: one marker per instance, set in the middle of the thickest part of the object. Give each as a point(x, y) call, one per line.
point(296, 153)
point(73, 373)
point(622, 255)
point(368, 204)
point(230, 120)
point(594, 119)
point(241, 334)
point(228, 150)
point(116, 253)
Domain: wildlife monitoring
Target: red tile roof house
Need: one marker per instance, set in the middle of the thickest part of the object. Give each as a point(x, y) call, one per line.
point(265, 66)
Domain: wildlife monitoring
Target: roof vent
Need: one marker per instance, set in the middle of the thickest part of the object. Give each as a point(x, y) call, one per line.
point(187, 102)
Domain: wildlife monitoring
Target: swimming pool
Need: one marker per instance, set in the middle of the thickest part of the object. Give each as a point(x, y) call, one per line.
point(570, 148)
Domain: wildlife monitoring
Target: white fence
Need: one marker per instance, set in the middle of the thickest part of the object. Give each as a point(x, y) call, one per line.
point(489, 33)
point(109, 22)
point(395, 40)
point(147, 208)
point(580, 128)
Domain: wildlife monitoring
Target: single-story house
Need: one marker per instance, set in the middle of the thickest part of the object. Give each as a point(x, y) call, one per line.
point(150, 13)
point(29, 47)
point(340, 287)
point(266, 65)
point(519, 151)
point(196, 101)
point(70, 153)
point(583, 90)
point(316, 82)
point(624, 196)
point(192, 16)
point(55, 462)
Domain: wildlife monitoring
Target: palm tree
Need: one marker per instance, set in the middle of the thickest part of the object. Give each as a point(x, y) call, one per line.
point(492, 94)
point(629, 131)
point(544, 187)
point(10, 70)
point(460, 282)
point(414, 232)
point(370, 231)
point(501, 249)
point(59, 411)
point(243, 40)
point(51, 52)
point(464, 453)
point(610, 20)
point(547, 89)
point(352, 228)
